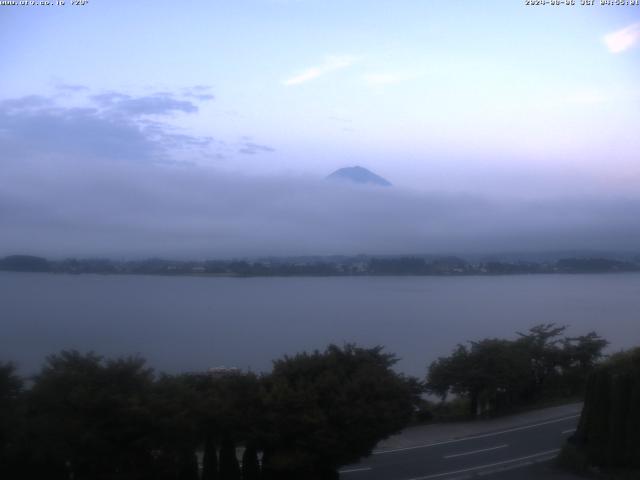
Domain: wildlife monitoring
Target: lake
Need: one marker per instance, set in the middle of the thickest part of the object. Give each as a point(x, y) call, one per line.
point(193, 323)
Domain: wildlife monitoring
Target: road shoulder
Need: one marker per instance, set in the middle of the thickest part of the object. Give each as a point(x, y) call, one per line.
point(442, 432)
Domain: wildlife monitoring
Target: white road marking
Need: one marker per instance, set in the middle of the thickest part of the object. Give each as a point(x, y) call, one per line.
point(571, 430)
point(474, 437)
point(353, 470)
point(476, 451)
point(489, 465)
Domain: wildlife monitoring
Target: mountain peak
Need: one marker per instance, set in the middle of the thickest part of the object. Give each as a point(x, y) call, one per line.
point(360, 175)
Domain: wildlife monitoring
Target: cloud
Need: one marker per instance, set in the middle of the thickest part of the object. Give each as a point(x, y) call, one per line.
point(251, 148)
point(145, 209)
point(199, 92)
point(111, 126)
point(109, 98)
point(331, 64)
point(26, 103)
point(89, 180)
point(155, 105)
point(623, 39)
point(202, 97)
point(162, 103)
point(71, 88)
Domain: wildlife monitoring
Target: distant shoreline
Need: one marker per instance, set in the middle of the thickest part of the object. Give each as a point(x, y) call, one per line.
point(356, 266)
point(364, 275)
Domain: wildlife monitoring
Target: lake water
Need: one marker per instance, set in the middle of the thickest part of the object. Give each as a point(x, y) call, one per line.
point(193, 323)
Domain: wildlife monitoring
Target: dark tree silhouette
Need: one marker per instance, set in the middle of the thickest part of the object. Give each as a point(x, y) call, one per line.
point(187, 465)
point(495, 374)
point(250, 464)
point(490, 373)
point(608, 434)
point(89, 416)
point(328, 409)
point(229, 467)
point(10, 419)
point(210, 460)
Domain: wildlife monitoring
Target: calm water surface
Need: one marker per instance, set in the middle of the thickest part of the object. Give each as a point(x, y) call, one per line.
point(190, 323)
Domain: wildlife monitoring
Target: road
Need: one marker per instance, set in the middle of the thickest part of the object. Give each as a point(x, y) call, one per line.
point(485, 453)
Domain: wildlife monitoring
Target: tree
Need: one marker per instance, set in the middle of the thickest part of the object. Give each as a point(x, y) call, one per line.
point(210, 460)
point(187, 465)
point(176, 430)
point(250, 464)
point(398, 266)
point(24, 263)
point(585, 351)
point(232, 405)
point(448, 374)
point(11, 392)
point(330, 408)
point(608, 433)
point(229, 409)
point(489, 374)
point(542, 346)
point(582, 354)
point(229, 467)
point(89, 417)
point(497, 373)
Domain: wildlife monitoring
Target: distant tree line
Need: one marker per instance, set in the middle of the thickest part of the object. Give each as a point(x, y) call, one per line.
point(608, 435)
point(497, 374)
point(86, 417)
point(316, 266)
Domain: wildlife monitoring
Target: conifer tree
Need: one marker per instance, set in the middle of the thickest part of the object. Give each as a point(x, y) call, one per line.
point(188, 466)
point(250, 464)
point(229, 467)
point(210, 460)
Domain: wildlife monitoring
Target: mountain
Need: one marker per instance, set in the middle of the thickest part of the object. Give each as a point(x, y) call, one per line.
point(359, 175)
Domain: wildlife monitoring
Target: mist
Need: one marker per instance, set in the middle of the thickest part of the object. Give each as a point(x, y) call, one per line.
point(189, 211)
point(114, 177)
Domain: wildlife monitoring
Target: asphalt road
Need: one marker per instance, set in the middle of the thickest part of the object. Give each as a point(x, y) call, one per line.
point(486, 454)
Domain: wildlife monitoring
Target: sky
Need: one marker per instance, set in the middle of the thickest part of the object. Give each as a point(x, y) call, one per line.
point(205, 128)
